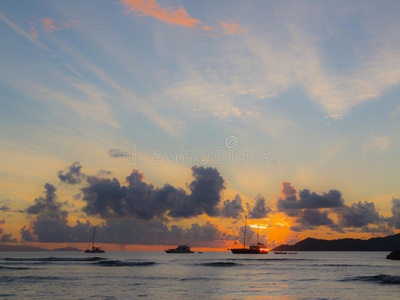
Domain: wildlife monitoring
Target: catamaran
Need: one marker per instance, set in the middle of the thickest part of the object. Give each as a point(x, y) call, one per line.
point(94, 249)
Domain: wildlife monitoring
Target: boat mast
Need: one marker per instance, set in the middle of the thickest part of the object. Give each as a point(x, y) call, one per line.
point(245, 226)
point(258, 233)
point(94, 232)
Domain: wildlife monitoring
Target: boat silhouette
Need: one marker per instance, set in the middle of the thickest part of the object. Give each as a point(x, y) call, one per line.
point(259, 248)
point(180, 249)
point(94, 249)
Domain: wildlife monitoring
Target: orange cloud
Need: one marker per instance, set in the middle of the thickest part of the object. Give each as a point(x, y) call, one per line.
point(229, 28)
point(177, 17)
point(224, 29)
point(34, 32)
point(166, 14)
point(51, 25)
point(69, 24)
point(207, 28)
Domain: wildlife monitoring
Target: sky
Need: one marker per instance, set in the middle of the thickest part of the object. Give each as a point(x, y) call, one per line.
point(167, 122)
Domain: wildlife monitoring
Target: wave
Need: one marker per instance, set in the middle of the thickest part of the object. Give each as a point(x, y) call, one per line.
point(7, 279)
point(220, 264)
point(337, 265)
point(382, 278)
point(50, 259)
point(196, 279)
point(283, 259)
point(14, 268)
point(118, 263)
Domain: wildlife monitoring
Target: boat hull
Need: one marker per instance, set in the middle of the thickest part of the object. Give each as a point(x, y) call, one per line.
point(177, 251)
point(94, 251)
point(180, 249)
point(248, 251)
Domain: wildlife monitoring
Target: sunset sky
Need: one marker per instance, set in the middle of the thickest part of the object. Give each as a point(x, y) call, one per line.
point(166, 122)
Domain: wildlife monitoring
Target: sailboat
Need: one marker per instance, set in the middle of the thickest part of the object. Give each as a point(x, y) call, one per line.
point(94, 249)
point(259, 248)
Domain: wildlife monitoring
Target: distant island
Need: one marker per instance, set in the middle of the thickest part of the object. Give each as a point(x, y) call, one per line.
point(67, 249)
point(388, 243)
point(17, 248)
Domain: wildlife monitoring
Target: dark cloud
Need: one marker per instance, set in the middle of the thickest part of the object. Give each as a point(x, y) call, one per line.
point(259, 210)
point(47, 204)
point(104, 198)
point(116, 152)
point(311, 210)
point(308, 208)
point(133, 214)
point(46, 229)
point(378, 230)
point(5, 208)
point(107, 198)
point(358, 215)
point(81, 231)
point(310, 219)
point(288, 190)
point(203, 233)
point(5, 237)
point(313, 218)
point(308, 200)
point(394, 221)
point(4, 205)
point(296, 229)
point(73, 175)
point(232, 209)
point(52, 227)
point(1, 223)
point(206, 189)
point(155, 232)
point(133, 232)
point(104, 173)
point(27, 234)
point(51, 223)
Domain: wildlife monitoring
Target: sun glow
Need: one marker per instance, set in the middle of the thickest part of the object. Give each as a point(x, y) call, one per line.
point(258, 226)
point(278, 230)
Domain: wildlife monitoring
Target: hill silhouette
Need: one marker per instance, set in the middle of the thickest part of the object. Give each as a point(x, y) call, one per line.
point(388, 243)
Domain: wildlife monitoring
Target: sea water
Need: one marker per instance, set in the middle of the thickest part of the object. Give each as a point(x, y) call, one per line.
point(208, 275)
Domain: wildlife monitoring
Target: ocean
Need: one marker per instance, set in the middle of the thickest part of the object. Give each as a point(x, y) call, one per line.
point(207, 275)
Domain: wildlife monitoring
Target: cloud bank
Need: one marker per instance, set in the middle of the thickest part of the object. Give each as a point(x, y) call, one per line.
point(312, 210)
point(107, 198)
point(51, 226)
point(136, 212)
